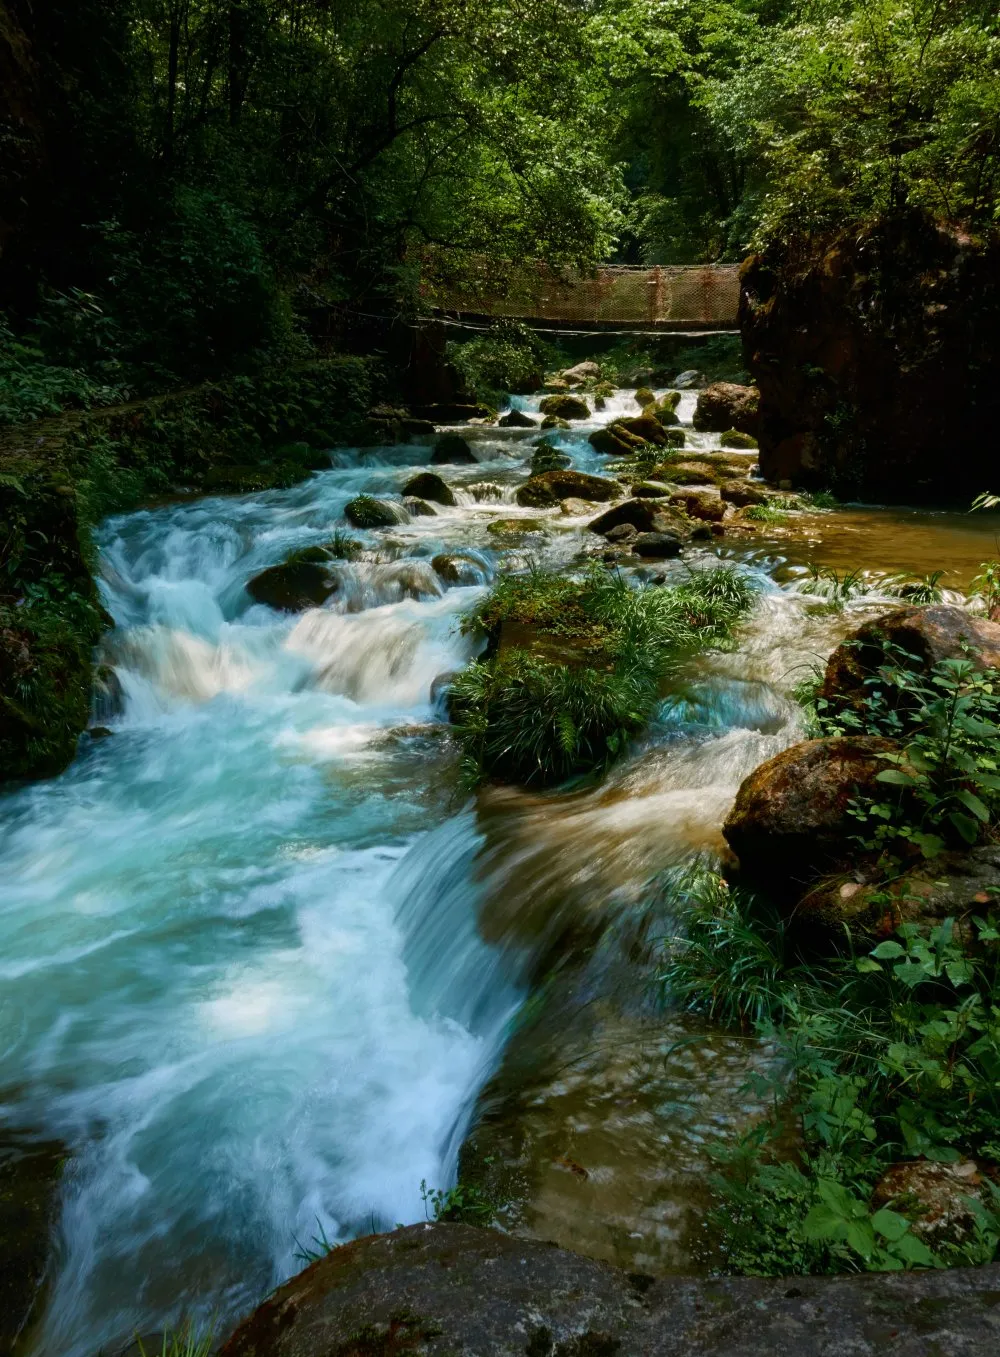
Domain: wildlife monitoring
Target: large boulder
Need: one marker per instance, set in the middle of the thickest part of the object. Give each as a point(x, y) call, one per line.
point(725, 405)
point(645, 515)
point(614, 440)
point(790, 825)
point(305, 580)
point(429, 485)
point(550, 487)
point(588, 371)
point(644, 426)
point(565, 407)
point(741, 493)
point(446, 1288)
point(914, 638)
point(657, 545)
point(451, 449)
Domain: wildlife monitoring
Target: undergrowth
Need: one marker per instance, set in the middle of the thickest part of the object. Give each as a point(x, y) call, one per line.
point(873, 1058)
point(586, 672)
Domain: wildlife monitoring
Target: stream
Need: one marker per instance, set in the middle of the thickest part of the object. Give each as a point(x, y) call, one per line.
point(262, 963)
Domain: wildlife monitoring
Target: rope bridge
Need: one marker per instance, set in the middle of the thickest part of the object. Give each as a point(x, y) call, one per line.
point(666, 297)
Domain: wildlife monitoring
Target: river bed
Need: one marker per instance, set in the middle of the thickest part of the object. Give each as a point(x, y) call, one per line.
point(263, 963)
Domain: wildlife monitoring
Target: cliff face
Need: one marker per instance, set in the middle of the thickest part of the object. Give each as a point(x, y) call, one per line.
point(877, 357)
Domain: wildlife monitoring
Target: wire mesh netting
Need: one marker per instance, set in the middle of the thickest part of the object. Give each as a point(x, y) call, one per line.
point(661, 295)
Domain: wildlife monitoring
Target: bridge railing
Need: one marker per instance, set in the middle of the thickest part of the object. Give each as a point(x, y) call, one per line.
point(674, 296)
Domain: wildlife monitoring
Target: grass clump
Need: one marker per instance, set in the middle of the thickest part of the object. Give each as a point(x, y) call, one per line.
point(886, 1056)
point(574, 668)
point(765, 513)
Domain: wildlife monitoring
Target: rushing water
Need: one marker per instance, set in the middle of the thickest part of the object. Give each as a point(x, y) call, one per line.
point(257, 958)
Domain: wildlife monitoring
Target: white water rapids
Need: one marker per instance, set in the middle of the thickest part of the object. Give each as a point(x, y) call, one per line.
point(241, 976)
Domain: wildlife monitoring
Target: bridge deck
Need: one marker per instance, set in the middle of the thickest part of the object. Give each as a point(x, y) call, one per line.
point(664, 297)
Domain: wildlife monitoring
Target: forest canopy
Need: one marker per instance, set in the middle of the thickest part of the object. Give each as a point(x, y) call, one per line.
point(185, 180)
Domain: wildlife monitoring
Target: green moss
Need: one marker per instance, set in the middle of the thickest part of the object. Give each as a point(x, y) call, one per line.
point(733, 438)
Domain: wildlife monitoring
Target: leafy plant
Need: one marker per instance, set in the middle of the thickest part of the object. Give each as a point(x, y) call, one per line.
point(463, 1203)
point(184, 1342)
point(765, 513)
point(826, 582)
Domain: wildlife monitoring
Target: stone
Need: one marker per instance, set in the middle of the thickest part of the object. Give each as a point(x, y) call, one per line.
point(546, 457)
point(305, 580)
point(935, 1198)
point(454, 568)
point(689, 379)
point(583, 372)
point(429, 485)
point(651, 490)
point(742, 493)
point(657, 545)
point(447, 1288)
point(645, 396)
point(928, 634)
point(366, 512)
point(727, 405)
point(417, 427)
point(555, 422)
point(665, 412)
point(565, 407)
point(550, 487)
point(440, 686)
point(419, 508)
point(790, 825)
point(451, 449)
point(576, 508)
point(645, 515)
point(645, 427)
point(508, 527)
point(735, 438)
point(625, 532)
point(676, 438)
point(613, 443)
point(700, 504)
point(517, 419)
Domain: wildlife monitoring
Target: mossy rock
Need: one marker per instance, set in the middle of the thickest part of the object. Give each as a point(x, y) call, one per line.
point(612, 444)
point(512, 527)
point(565, 407)
point(733, 438)
point(645, 396)
point(545, 491)
point(665, 411)
point(303, 581)
point(451, 449)
point(366, 512)
point(548, 458)
point(429, 485)
point(555, 422)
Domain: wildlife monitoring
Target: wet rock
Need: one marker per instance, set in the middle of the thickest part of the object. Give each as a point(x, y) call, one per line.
point(451, 413)
point(676, 438)
point(451, 449)
point(665, 414)
point(30, 1175)
point(455, 568)
point(419, 508)
point(583, 372)
point(555, 422)
point(790, 824)
point(440, 686)
point(645, 427)
point(657, 545)
point(689, 380)
point(108, 702)
point(565, 407)
point(366, 512)
point(303, 581)
point(614, 443)
point(574, 508)
point(645, 396)
point(483, 492)
point(700, 504)
point(742, 493)
point(552, 486)
point(937, 1198)
point(651, 490)
point(429, 485)
point(725, 405)
point(928, 635)
point(547, 457)
point(733, 438)
point(645, 515)
point(450, 1288)
point(625, 532)
point(556, 385)
point(517, 419)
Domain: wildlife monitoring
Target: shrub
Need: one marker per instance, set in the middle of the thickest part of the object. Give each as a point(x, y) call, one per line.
point(511, 359)
point(570, 702)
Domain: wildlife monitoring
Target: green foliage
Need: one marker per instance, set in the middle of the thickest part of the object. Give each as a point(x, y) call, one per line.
point(825, 582)
point(890, 1055)
point(510, 360)
point(466, 1204)
point(31, 388)
point(765, 513)
point(184, 1342)
point(570, 701)
point(917, 588)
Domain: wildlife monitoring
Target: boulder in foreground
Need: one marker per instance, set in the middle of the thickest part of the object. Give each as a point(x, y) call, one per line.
point(445, 1288)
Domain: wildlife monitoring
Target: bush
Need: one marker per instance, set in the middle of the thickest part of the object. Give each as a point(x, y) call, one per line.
point(511, 359)
point(569, 703)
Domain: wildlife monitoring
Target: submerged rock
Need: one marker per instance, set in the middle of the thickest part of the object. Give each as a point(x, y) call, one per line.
point(449, 1288)
point(790, 824)
point(366, 512)
point(658, 545)
point(552, 486)
point(451, 449)
point(429, 485)
point(419, 508)
point(724, 406)
point(565, 407)
point(305, 580)
point(455, 568)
